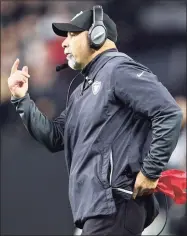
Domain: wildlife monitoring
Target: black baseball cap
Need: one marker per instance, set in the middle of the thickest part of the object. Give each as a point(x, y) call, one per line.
point(82, 22)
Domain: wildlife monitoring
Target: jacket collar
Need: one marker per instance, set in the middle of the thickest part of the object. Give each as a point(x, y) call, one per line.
point(90, 67)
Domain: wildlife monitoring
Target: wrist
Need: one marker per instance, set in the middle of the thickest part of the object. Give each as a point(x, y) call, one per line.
point(148, 176)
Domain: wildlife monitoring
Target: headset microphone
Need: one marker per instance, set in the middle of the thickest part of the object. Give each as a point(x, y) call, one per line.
point(61, 67)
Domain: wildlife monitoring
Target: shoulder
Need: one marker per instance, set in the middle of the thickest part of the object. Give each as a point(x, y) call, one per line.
point(129, 69)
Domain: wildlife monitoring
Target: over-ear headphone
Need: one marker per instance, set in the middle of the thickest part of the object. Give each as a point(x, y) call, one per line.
point(97, 33)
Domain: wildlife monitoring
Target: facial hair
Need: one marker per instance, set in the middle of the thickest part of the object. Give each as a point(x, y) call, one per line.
point(72, 62)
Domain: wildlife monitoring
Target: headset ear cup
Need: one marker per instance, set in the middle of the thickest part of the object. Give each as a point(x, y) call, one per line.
point(97, 36)
point(89, 36)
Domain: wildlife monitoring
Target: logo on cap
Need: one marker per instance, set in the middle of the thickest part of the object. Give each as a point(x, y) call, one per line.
point(77, 15)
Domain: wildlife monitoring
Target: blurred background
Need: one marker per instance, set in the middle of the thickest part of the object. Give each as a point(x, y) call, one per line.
point(34, 182)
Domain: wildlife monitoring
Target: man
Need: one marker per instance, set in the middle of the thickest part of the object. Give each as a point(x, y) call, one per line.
point(118, 130)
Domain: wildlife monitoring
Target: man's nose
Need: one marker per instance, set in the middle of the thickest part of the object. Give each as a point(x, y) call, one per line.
point(65, 43)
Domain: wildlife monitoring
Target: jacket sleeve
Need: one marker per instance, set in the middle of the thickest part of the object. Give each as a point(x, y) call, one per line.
point(143, 93)
point(47, 132)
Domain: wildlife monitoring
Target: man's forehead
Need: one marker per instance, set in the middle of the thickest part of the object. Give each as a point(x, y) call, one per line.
point(69, 33)
point(74, 32)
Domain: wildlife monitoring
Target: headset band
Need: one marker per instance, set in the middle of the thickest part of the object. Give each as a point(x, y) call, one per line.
point(97, 14)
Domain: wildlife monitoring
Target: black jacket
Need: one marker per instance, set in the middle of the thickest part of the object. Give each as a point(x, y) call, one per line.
point(124, 121)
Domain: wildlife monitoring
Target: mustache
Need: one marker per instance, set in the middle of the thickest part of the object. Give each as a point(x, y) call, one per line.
point(67, 52)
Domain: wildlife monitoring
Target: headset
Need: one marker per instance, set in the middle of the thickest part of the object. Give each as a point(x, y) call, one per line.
point(97, 33)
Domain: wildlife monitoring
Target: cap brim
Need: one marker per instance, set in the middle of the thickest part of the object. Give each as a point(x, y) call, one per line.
point(62, 29)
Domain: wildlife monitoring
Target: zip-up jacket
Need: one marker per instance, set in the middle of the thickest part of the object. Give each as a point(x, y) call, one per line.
point(119, 121)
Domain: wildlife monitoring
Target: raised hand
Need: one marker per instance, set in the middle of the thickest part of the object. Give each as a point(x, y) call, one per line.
point(18, 80)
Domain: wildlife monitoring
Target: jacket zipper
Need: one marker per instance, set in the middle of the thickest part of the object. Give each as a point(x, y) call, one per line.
point(111, 173)
point(111, 168)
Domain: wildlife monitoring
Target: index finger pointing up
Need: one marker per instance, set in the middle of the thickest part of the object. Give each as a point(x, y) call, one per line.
point(15, 66)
